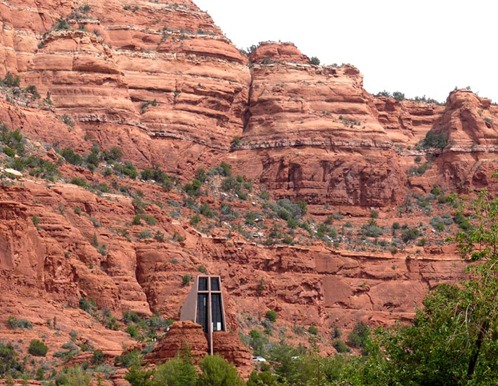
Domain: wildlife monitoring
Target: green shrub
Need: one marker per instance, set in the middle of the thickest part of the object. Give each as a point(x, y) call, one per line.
point(155, 174)
point(13, 323)
point(313, 330)
point(131, 358)
point(419, 170)
point(186, 279)
point(137, 220)
point(359, 336)
point(227, 212)
point(371, 229)
point(438, 223)
point(178, 238)
point(193, 188)
point(144, 235)
point(340, 346)
point(206, 211)
point(195, 220)
point(37, 348)
point(9, 151)
point(217, 371)
point(325, 230)
point(150, 220)
point(31, 89)
point(230, 184)
point(145, 105)
point(102, 249)
point(462, 221)
point(71, 157)
point(61, 25)
point(226, 169)
point(12, 139)
point(79, 181)
point(271, 315)
point(315, 61)
point(399, 96)
point(9, 363)
point(421, 242)
point(132, 330)
point(128, 169)
point(176, 372)
point(88, 305)
point(76, 376)
point(159, 236)
point(410, 234)
point(11, 80)
point(433, 140)
point(235, 142)
point(113, 154)
point(265, 195)
point(67, 120)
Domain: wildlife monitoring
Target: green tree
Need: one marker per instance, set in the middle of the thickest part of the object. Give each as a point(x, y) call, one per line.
point(454, 337)
point(176, 372)
point(216, 371)
point(77, 376)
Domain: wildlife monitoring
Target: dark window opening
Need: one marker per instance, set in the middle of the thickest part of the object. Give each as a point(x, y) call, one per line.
point(215, 284)
point(203, 284)
point(217, 312)
point(202, 311)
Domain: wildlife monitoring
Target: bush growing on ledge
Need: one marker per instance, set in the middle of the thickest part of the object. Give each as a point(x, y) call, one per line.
point(371, 229)
point(315, 61)
point(11, 80)
point(399, 96)
point(186, 279)
point(433, 140)
point(37, 348)
point(271, 315)
point(79, 181)
point(13, 323)
point(61, 25)
point(145, 105)
point(71, 157)
point(410, 234)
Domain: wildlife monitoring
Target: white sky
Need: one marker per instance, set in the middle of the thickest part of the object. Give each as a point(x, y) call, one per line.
point(423, 47)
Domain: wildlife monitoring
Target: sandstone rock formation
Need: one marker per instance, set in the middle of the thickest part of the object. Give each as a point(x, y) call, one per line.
point(161, 82)
point(182, 337)
point(188, 337)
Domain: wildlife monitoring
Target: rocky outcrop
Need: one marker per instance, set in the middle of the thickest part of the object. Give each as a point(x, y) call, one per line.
point(161, 82)
point(182, 338)
point(188, 337)
point(229, 346)
point(467, 137)
point(132, 75)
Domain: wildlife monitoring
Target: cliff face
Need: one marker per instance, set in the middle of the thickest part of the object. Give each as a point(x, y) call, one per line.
point(160, 81)
point(313, 133)
point(132, 75)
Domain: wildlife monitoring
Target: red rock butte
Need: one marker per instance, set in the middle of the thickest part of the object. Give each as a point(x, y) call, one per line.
point(160, 81)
